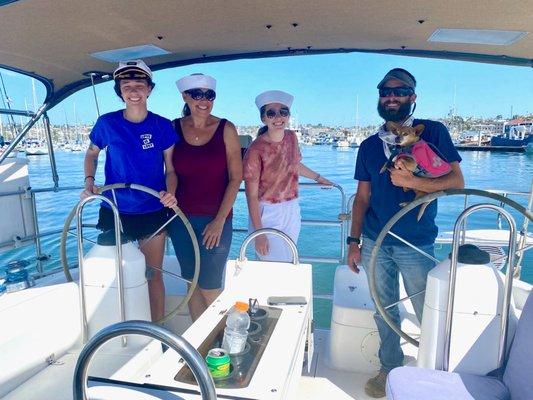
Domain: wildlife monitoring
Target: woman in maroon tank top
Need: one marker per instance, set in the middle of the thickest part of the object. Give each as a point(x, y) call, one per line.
point(207, 161)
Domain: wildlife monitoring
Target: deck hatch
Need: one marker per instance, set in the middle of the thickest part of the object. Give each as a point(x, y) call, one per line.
point(130, 53)
point(477, 36)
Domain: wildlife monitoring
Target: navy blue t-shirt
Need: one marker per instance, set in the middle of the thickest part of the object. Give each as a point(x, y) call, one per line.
point(134, 154)
point(385, 198)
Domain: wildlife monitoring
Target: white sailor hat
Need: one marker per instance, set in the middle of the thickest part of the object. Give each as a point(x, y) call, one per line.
point(274, 96)
point(196, 81)
point(132, 69)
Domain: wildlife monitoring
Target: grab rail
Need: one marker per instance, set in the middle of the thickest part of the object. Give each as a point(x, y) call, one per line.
point(118, 262)
point(270, 231)
point(177, 343)
point(339, 222)
point(453, 277)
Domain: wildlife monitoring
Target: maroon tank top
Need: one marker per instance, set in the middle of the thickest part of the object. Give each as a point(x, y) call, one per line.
point(202, 173)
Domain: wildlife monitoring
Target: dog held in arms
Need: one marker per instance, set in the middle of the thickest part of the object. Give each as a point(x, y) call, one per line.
point(420, 157)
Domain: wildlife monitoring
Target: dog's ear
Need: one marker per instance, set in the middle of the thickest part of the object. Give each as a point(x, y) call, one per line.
point(418, 129)
point(392, 126)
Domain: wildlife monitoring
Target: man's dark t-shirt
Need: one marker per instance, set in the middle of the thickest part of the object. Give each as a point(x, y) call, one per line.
point(385, 198)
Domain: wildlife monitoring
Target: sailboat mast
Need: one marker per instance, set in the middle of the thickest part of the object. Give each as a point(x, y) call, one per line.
point(357, 115)
point(6, 101)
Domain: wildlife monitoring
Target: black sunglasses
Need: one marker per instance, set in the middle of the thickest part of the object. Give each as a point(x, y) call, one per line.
point(396, 91)
point(283, 112)
point(199, 94)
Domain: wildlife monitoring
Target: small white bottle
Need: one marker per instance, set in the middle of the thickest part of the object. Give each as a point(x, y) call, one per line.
point(236, 331)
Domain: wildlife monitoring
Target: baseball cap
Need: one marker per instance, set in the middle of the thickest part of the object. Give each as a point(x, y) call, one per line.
point(400, 74)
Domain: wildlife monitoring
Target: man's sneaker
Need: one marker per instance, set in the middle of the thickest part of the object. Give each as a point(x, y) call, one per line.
point(375, 387)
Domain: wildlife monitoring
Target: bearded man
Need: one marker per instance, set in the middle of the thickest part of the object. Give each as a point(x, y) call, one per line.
point(378, 198)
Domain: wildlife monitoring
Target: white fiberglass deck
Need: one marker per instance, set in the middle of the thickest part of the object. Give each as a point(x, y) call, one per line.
point(323, 382)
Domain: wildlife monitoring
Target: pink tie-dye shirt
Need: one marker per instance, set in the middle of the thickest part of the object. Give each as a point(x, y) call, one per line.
point(274, 166)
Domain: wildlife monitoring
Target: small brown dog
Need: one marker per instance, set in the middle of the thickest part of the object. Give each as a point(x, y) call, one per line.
point(420, 157)
point(406, 136)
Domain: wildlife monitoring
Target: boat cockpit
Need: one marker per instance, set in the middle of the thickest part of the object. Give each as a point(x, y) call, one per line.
point(83, 331)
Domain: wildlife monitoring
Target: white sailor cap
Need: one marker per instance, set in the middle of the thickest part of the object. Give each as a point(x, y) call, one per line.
point(132, 69)
point(274, 96)
point(196, 81)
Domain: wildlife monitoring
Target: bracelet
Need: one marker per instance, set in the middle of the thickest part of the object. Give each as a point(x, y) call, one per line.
point(87, 177)
point(318, 176)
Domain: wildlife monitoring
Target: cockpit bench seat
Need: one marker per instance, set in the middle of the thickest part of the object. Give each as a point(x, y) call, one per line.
point(412, 383)
point(44, 325)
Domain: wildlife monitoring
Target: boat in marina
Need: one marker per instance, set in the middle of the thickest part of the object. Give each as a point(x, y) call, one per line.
point(35, 148)
point(53, 321)
point(515, 135)
point(341, 143)
point(76, 147)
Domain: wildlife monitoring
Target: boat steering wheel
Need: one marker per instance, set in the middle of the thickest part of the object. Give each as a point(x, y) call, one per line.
point(177, 211)
point(415, 203)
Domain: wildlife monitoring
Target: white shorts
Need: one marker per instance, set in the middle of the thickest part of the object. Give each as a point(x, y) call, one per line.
point(284, 217)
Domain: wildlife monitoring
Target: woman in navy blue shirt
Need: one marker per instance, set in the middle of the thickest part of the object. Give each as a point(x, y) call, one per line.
point(138, 147)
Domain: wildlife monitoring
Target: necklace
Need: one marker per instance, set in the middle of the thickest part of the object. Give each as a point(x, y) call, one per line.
point(196, 138)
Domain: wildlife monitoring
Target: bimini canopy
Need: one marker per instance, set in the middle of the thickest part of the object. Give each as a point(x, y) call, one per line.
point(61, 41)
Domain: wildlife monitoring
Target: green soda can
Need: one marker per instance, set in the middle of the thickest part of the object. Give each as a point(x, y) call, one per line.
point(218, 362)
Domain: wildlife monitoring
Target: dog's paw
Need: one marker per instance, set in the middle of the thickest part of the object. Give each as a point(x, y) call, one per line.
point(422, 210)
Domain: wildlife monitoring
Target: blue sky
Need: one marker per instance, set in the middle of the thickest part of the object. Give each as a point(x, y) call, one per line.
point(326, 88)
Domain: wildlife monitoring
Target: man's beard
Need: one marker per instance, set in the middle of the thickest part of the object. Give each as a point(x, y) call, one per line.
point(394, 115)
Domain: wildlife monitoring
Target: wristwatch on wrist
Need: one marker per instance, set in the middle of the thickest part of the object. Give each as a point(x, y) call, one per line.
point(351, 239)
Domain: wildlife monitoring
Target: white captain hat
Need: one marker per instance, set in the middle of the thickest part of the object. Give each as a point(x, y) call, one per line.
point(132, 69)
point(195, 81)
point(274, 96)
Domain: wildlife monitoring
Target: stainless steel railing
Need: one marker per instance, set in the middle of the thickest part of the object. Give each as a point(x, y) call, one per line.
point(118, 262)
point(270, 231)
point(453, 277)
point(343, 222)
point(181, 346)
point(339, 222)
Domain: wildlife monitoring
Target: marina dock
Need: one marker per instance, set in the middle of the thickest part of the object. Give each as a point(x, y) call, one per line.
point(515, 149)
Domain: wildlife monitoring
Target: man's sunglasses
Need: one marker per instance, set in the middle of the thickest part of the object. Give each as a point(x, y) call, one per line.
point(199, 94)
point(283, 112)
point(396, 91)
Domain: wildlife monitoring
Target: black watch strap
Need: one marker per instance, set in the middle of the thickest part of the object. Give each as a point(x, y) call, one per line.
point(351, 239)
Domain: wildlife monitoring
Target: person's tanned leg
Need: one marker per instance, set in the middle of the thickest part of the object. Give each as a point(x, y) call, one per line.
point(196, 304)
point(210, 295)
point(153, 252)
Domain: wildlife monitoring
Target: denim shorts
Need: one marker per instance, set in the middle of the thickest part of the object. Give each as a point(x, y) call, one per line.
point(212, 261)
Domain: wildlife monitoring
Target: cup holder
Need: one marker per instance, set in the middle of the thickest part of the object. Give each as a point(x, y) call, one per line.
point(254, 328)
point(259, 315)
point(243, 352)
point(242, 365)
point(228, 376)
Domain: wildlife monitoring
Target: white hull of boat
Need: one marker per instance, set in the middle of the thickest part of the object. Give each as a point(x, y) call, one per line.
point(36, 151)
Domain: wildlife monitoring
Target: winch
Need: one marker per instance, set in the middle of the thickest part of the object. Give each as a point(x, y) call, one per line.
point(17, 276)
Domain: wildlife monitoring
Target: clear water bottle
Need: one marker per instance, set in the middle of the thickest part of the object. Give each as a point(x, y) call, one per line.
point(236, 331)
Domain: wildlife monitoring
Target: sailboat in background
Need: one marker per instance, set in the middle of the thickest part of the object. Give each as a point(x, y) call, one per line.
point(355, 141)
point(6, 104)
point(36, 146)
point(3, 146)
point(76, 146)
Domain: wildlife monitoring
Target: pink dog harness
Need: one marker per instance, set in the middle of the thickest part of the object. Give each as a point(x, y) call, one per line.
point(430, 163)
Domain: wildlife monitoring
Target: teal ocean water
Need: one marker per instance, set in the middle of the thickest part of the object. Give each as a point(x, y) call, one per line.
point(482, 170)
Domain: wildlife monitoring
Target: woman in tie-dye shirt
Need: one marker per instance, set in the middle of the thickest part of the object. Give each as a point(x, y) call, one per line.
point(272, 165)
